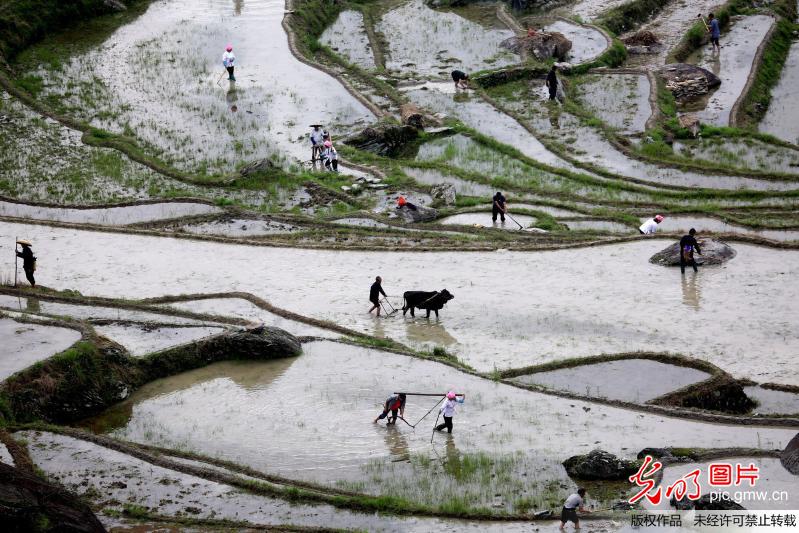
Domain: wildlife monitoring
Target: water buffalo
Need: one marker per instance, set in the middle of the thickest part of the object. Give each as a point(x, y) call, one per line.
point(431, 301)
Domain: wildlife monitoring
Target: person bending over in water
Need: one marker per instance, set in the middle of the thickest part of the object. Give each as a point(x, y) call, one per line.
point(688, 245)
point(393, 404)
point(461, 79)
point(650, 226)
point(570, 507)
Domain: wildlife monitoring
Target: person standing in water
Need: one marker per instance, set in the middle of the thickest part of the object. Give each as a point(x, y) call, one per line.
point(552, 82)
point(28, 261)
point(715, 31)
point(688, 245)
point(317, 139)
point(461, 79)
point(374, 294)
point(499, 207)
point(650, 226)
point(448, 410)
point(393, 404)
point(572, 504)
point(229, 62)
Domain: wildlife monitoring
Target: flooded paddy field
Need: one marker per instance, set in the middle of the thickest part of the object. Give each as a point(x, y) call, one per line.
point(141, 339)
point(732, 65)
point(25, 343)
point(260, 115)
point(781, 118)
point(201, 411)
point(742, 153)
point(700, 224)
point(428, 42)
point(621, 100)
point(111, 216)
point(241, 231)
point(347, 37)
point(626, 379)
point(495, 297)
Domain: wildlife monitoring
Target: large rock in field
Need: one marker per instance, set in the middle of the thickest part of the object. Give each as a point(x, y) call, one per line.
point(599, 464)
point(790, 456)
point(713, 253)
point(723, 394)
point(688, 81)
point(29, 503)
point(542, 45)
point(384, 139)
point(420, 214)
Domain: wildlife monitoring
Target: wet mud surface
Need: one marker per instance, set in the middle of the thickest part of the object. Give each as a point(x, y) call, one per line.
point(347, 37)
point(773, 401)
point(621, 100)
point(781, 119)
point(495, 297)
point(484, 220)
point(111, 216)
point(700, 224)
point(587, 43)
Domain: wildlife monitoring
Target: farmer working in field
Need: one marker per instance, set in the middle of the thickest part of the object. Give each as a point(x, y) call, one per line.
point(28, 260)
point(552, 82)
point(448, 410)
point(715, 31)
point(499, 207)
point(650, 226)
point(393, 404)
point(461, 79)
point(374, 294)
point(228, 61)
point(688, 245)
point(572, 504)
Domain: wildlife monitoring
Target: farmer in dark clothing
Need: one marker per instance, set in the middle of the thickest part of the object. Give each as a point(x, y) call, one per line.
point(498, 207)
point(552, 82)
point(393, 404)
point(461, 79)
point(28, 261)
point(374, 294)
point(687, 246)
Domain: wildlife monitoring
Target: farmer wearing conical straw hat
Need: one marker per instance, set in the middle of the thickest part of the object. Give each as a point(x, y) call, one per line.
point(28, 260)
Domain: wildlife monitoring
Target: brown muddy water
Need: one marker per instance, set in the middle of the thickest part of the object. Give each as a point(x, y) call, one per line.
point(630, 380)
point(732, 65)
point(428, 42)
point(255, 413)
point(140, 340)
point(781, 119)
point(511, 309)
point(773, 479)
point(347, 37)
point(25, 344)
point(114, 479)
point(111, 216)
point(158, 76)
point(708, 224)
point(601, 95)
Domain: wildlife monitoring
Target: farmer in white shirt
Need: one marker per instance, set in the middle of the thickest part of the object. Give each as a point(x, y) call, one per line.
point(570, 507)
point(448, 410)
point(651, 226)
point(317, 138)
point(229, 61)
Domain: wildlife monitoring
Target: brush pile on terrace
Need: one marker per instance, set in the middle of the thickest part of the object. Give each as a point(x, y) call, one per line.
point(542, 45)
